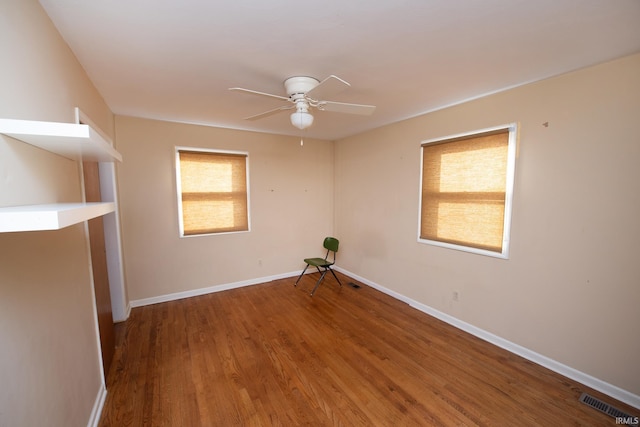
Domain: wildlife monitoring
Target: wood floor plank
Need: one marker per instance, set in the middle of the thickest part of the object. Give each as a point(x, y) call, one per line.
point(271, 355)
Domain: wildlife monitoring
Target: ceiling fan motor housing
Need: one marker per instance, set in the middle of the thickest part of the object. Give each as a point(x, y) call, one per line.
point(299, 85)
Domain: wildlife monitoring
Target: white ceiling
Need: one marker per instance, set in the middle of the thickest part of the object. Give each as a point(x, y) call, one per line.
point(175, 59)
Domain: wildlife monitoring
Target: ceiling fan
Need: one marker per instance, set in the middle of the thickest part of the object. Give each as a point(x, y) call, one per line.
point(305, 93)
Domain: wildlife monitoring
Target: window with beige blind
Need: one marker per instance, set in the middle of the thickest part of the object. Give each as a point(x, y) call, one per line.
point(213, 191)
point(466, 191)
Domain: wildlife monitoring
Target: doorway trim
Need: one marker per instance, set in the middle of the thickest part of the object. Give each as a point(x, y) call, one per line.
point(120, 306)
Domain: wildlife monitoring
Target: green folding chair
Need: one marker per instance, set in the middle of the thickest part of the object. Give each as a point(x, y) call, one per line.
point(331, 245)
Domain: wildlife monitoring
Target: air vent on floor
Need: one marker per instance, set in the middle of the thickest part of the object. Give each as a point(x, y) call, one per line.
point(601, 406)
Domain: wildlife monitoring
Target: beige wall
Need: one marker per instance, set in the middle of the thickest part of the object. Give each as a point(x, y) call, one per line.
point(571, 288)
point(291, 197)
point(49, 360)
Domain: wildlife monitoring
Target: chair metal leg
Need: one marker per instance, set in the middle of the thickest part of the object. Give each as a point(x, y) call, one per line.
point(318, 282)
point(301, 274)
point(322, 277)
point(334, 275)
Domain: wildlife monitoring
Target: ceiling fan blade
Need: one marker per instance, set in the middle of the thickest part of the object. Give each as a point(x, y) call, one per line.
point(327, 88)
point(270, 112)
point(342, 107)
point(255, 92)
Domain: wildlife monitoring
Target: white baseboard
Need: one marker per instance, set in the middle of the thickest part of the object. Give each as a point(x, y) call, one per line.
point(209, 290)
point(94, 419)
point(588, 380)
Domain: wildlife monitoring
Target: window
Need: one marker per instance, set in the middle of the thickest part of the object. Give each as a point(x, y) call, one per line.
point(466, 191)
point(212, 191)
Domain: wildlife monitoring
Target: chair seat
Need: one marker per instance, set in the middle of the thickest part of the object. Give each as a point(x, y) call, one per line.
point(318, 262)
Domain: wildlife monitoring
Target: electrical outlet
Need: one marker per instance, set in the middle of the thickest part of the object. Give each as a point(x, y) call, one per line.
point(456, 295)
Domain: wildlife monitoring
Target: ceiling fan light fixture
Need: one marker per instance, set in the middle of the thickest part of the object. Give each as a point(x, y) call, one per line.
point(301, 119)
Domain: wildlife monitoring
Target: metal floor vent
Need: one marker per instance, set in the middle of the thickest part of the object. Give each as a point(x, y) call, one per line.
point(608, 409)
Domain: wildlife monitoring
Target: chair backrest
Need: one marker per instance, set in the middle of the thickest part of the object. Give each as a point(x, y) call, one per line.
point(331, 243)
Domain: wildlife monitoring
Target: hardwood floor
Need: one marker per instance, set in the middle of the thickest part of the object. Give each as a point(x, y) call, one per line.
point(271, 355)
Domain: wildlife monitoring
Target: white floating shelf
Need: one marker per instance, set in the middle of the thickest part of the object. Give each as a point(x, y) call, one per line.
point(73, 141)
point(50, 217)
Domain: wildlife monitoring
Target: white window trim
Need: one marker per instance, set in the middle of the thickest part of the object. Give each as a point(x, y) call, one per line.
point(508, 205)
point(177, 150)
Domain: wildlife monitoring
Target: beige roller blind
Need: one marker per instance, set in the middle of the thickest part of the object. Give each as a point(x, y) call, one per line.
point(463, 190)
point(213, 192)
